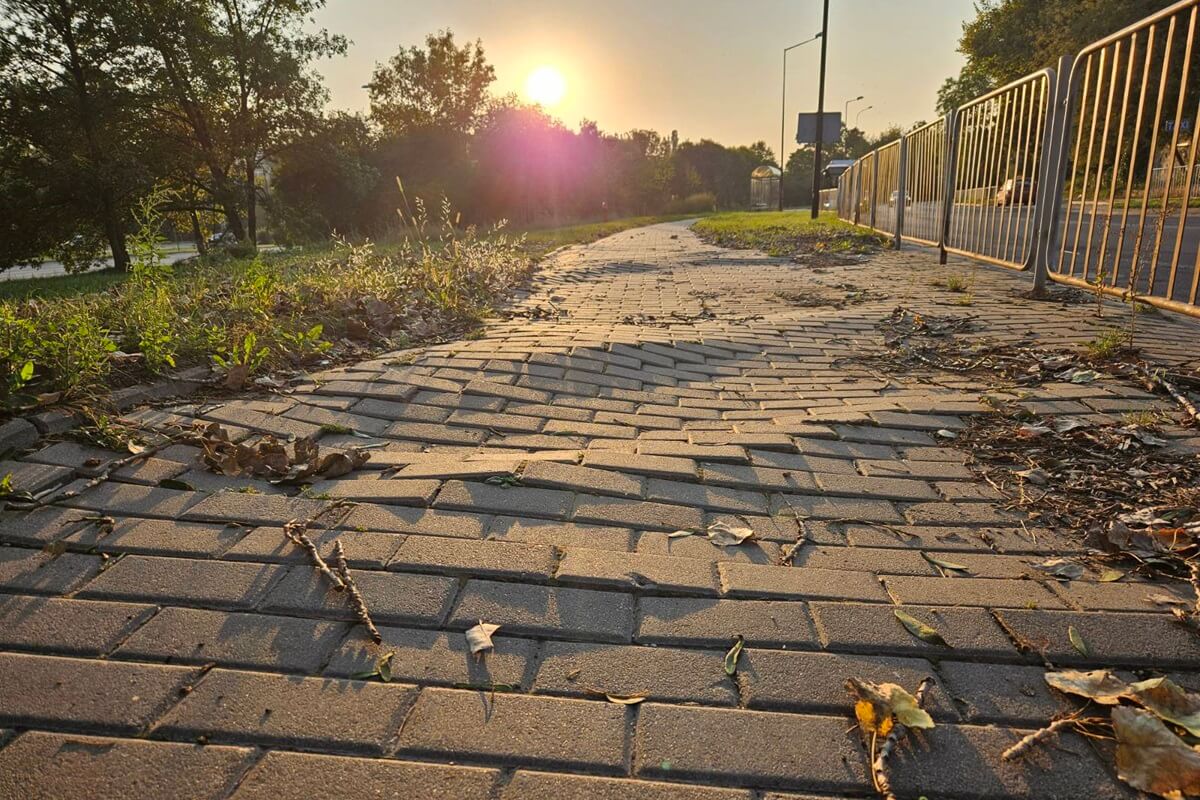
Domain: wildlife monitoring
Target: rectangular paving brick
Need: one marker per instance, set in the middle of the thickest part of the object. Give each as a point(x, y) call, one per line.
point(258, 708)
point(643, 515)
point(436, 657)
point(514, 560)
point(727, 453)
point(137, 501)
point(788, 751)
point(514, 729)
point(514, 500)
point(392, 491)
point(840, 508)
point(395, 519)
point(607, 569)
point(584, 479)
point(34, 572)
point(985, 592)
point(254, 509)
point(56, 765)
point(284, 776)
point(184, 581)
point(715, 623)
point(362, 548)
point(769, 680)
point(107, 696)
point(654, 466)
point(658, 673)
point(72, 627)
point(525, 609)
point(717, 498)
point(252, 641)
point(740, 580)
point(159, 537)
point(863, 628)
point(1112, 638)
point(560, 534)
point(1003, 693)
point(435, 433)
point(393, 598)
point(527, 784)
point(949, 758)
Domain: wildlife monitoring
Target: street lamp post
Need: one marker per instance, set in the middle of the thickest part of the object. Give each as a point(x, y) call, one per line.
point(783, 116)
point(846, 110)
point(859, 115)
point(816, 187)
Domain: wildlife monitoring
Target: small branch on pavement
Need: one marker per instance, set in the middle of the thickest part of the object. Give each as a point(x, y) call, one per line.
point(879, 766)
point(1038, 736)
point(1156, 378)
point(356, 598)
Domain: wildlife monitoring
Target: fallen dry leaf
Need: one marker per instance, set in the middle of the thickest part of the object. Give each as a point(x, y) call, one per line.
point(919, 629)
point(731, 658)
point(1061, 568)
point(1099, 685)
point(479, 638)
point(1169, 702)
point(1077, 641)
point(625, 700)
point(879, 703)
point(1151, 758)
point(723, 535)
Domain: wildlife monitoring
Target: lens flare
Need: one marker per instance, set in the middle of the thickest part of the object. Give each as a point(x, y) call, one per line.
point(546, 86)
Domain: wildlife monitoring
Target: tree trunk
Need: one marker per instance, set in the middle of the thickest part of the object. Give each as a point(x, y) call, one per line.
point(116, 238)
point(251, 197)
point(198, 233)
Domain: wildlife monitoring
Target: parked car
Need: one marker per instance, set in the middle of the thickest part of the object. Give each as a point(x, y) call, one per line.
point(1016, 192)
point(896, 196)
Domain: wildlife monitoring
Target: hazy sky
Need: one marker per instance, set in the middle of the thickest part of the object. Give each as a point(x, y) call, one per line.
point(707, 68)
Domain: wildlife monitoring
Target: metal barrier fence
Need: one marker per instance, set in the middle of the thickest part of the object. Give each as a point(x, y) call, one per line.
point(1128, 99)
point(1085, 172)
point(925, 183)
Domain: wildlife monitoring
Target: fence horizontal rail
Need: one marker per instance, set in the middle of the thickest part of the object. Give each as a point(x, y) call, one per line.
point(1086, 172)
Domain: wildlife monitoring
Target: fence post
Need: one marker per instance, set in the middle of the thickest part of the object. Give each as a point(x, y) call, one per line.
point(1048, 195)
point(949, 176)
point(902, 190)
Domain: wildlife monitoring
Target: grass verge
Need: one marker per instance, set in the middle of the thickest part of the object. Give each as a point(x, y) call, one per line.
point(789, 234)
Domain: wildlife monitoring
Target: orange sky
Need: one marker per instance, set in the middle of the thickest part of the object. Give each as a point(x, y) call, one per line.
point(708, 68)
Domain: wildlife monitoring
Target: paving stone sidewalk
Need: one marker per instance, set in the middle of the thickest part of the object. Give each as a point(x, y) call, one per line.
point(648, 383)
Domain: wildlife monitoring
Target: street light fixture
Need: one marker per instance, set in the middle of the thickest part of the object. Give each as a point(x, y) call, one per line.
point(859, 115)
point(783, 116)
point(846, 110)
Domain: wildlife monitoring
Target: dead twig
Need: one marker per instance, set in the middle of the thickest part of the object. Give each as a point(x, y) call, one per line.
point(1038, 736)
point(356, 598)
point(879, 766)
point(1156, 378)
point(295, 532)
point(104, 475)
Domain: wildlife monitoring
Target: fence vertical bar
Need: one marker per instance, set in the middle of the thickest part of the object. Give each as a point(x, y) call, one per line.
point(874, 186)
point(948, 179)
point(901, 189)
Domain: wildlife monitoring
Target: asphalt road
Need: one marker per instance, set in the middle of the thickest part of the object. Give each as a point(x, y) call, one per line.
point(1003, 233)
point(52, 269)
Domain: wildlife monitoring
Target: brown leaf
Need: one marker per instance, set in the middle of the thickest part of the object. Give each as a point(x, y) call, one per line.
point(479, 638)
point(723, 535)
point(1099, 685)
point(236, 376)
point(1169, 702)
point(1151, 758)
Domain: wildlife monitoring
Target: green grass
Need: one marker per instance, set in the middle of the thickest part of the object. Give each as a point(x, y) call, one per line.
point(788, 233)
point(60, 285)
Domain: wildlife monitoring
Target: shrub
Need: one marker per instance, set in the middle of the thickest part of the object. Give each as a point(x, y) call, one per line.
point(699, 203)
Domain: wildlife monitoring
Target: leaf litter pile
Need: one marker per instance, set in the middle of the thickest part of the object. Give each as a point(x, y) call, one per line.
point(1117, 482)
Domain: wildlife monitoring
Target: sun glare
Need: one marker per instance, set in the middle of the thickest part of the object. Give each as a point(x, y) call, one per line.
point(546, 86)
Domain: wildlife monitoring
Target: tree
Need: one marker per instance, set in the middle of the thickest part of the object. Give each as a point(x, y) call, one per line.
point(70, 123)
point(443, 87)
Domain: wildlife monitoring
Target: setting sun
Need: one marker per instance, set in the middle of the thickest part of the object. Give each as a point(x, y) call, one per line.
point(546, 86)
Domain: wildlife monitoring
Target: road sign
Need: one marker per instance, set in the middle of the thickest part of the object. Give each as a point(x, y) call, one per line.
point(806, 128)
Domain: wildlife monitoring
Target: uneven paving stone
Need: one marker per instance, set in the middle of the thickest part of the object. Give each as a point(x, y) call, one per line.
point(642, 515)
point(1112, 638)
point(159, 537)
point(285, 710)
point(435, 657)
point(857, 627)
point(759, 581)
point(184, 581)
point(513, 560)
point(389, 492)
point(657, 673)
point(1002, 693)
point(393, 519)
point(952, 758)
point(294, 776)
point(45, 766)
point(252, 641)
point(526, 784)
point(608, 569)
point(362, 548)
point(584, 479)
point(560, 534)
point(393, 598)
point(791, 751)
point(107, 696)
point(517, 730)
point(254, 509)
point(137, 501)
point(525, 609)
point(515, 501)
point(715, 623)
point(769, 680)
point(35, 572)
point(70, 627)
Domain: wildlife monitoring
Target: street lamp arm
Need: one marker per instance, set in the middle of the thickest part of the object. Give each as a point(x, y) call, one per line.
point(783, 116)
point(798, 44)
